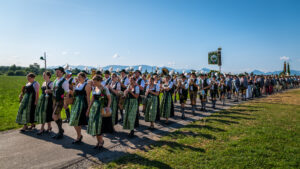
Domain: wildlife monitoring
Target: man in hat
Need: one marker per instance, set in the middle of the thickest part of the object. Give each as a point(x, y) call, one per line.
point(204, 87)
point(107, 79)
point(141, 84)
point(124, 81)
point(182, 89)
point(228, 83)
point(236, 87)
point(68, 100)
point(60, 87)
point(243, 86)
point(193, 88)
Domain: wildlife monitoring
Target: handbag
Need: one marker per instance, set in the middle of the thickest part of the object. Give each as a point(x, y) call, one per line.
point(105, 113)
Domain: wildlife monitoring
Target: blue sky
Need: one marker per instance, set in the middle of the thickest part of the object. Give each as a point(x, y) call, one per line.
point(254, 34)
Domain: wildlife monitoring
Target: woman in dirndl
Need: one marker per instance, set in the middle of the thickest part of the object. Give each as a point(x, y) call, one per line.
point(101, 101)
point(29, 98)
point(131, 106)
point(80, 106)
point(166, 102)
point(44, 109)
point(152, 91)
point(114, 88)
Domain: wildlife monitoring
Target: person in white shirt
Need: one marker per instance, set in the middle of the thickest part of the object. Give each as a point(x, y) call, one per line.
point(114, 88)
point(44, 110)
point(60, 89)
point(152, 91)
point(124, 82)
point(182, 89)
point(29, 99)
point(193, 89)
point(131, 105)
point(166, 103)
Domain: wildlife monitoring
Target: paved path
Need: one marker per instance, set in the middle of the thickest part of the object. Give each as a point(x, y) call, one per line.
point(27, 150)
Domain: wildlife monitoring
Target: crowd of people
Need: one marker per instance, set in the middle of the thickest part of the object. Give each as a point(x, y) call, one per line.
point(98, 102)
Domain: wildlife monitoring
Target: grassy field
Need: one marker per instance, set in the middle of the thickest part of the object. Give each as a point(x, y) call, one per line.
point(263, 133)
point(10, 88)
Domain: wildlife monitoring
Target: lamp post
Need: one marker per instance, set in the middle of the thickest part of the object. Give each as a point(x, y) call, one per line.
point(45, 60)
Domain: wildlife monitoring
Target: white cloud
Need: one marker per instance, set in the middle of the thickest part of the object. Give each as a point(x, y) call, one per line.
point(76, 53)
point(286, 58)
point(116, 55)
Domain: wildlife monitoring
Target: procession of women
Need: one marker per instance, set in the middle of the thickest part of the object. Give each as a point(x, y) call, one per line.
point(112, 98)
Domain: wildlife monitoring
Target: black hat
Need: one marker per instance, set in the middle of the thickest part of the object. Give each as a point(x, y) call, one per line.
point(98, 72)
point(83, 71)
point(61, 69)
point(106, 72)
point(123, 70)
point(137, 71)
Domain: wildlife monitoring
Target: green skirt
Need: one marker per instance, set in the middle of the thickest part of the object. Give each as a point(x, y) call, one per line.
point(44, 110)
point(131, 106)
point(151, 109)
point(95, 119)
point(165, 106)
point(79, 108)
point(114, 108)
point(25, 109)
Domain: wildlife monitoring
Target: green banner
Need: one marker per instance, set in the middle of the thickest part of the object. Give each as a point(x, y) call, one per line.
point(213, 58)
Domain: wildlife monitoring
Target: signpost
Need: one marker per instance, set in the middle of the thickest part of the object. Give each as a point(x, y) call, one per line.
point(215, 58)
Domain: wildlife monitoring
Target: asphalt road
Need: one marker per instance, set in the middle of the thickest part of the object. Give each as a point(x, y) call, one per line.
point(27, 150)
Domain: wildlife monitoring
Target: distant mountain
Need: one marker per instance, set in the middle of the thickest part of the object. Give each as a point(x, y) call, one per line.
point(257, 72)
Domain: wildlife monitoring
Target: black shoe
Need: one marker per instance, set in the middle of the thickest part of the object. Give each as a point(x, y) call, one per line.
point(96, 146)
point(48, 130)
point(77, 141)
point(41, 132)
point(66, 121)
point(131, 134)
point(58, 136)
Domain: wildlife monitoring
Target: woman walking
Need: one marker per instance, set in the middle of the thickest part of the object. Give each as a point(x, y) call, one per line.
point(44, 109)
point(114, 88)
point(29, 98)
point(131, 106)
point(79, 108)
point(152, 91)
point(100, 102)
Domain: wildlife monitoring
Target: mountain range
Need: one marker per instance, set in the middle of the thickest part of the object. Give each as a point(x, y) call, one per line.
point(153, 68)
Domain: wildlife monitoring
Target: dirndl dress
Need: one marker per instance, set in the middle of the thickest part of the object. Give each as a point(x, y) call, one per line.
point(27, 107)
point(44, 108)
point(97, 124)
point(131, 109)
point(79, 107)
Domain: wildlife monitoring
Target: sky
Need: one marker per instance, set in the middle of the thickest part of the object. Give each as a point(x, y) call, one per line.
point(253, 34)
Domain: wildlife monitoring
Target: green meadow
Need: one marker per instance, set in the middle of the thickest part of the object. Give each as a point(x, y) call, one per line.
point(263, 133)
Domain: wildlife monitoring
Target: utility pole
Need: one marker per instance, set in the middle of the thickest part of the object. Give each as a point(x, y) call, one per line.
point(44, 58)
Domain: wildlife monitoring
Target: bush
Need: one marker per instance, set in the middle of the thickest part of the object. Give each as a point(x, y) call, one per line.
point(10, 73)
point(20, 73)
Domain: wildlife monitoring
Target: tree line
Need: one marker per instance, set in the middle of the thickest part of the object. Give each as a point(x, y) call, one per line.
point(35, 68)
